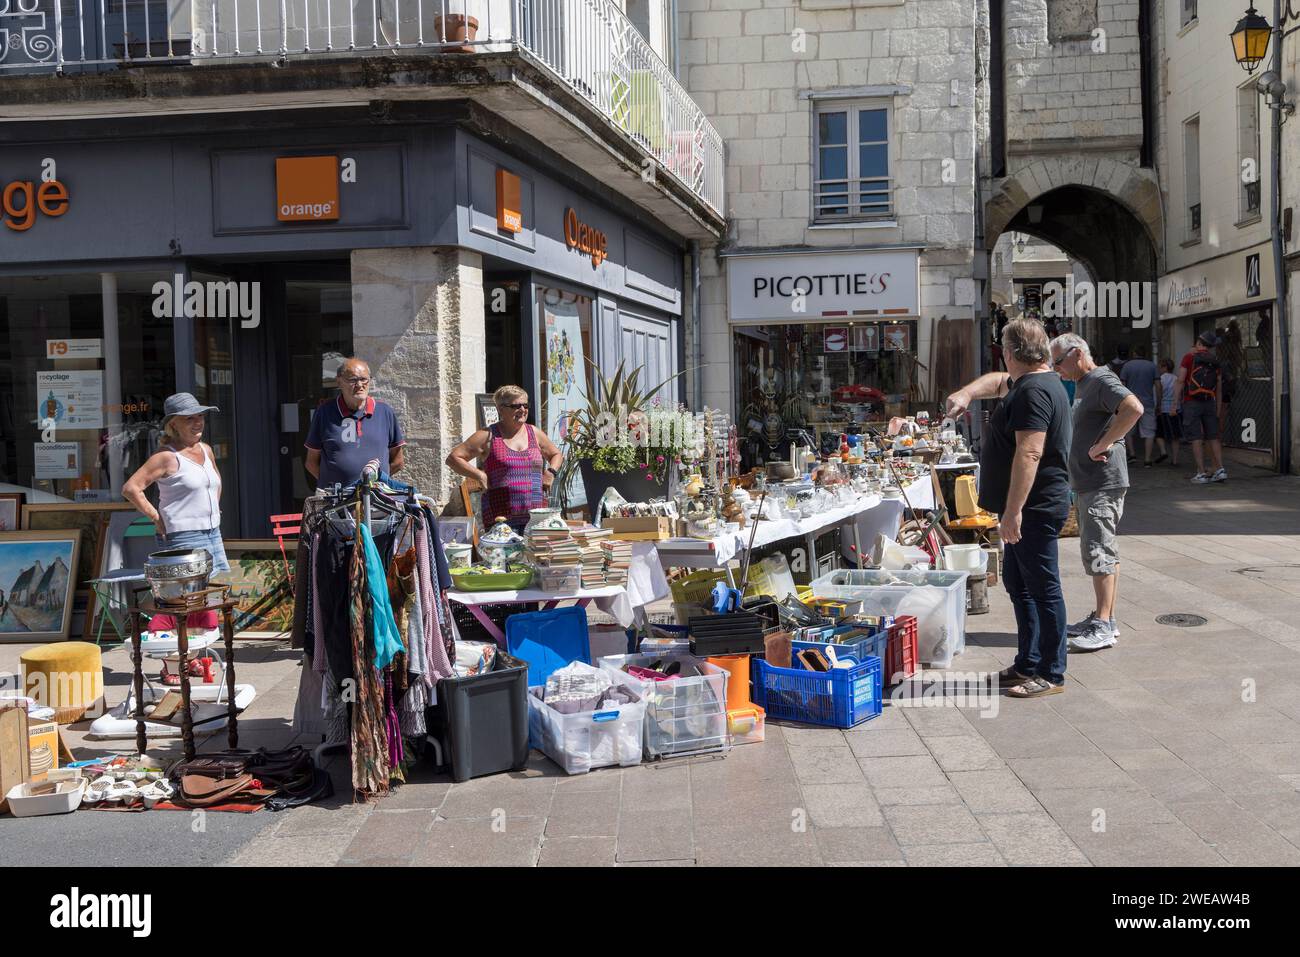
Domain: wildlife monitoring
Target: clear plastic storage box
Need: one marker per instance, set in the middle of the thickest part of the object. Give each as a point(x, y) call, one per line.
point(589, 739)
point(936, 598)
point(686, 715)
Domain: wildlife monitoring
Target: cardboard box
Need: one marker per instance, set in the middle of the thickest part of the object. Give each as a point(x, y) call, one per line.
point(654, 528)
point(15, 762)
point(43, 749)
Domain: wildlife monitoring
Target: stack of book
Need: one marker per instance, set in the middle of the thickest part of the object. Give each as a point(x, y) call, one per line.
point(552, 548)
point(618, 558)
point(592, 555)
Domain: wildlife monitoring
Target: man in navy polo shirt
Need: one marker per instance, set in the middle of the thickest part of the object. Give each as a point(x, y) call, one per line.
point(352, 430)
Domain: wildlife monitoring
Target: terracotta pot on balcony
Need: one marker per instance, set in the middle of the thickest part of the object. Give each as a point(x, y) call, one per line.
point(459, 27)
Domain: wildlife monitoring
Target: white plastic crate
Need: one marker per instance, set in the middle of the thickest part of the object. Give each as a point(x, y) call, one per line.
point(589, 739)
point(936, 598)
point(687, 715)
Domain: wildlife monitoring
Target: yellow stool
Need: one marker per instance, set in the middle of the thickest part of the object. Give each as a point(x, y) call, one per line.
point(67, 676)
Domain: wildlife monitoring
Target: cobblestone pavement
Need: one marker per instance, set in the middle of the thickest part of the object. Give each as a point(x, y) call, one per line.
point(1179, 746)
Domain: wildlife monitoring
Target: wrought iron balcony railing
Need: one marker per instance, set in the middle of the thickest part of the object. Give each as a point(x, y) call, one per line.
point(588, 45)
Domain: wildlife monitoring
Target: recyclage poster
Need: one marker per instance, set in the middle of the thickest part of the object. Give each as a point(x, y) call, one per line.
point(74, 400)
point(565, 376)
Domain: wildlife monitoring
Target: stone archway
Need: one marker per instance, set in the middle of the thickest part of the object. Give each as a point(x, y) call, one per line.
point(1132, 188)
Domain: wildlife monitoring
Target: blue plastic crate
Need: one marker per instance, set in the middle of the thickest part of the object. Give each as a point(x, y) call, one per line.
point(839, 698)
point(872, 646)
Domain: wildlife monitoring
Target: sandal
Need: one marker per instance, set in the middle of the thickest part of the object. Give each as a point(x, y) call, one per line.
point(1035, 688)
point(1010, 676)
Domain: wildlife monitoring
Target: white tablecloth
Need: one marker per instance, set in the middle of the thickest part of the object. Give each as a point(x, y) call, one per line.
point(611, 599)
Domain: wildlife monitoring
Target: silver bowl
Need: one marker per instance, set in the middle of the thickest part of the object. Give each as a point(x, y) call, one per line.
point(175, 573)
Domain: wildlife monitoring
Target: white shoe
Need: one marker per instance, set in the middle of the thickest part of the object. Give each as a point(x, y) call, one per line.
point(1097, 637)
point(1201, 478)
point(1081, 626)
point(1220, 475)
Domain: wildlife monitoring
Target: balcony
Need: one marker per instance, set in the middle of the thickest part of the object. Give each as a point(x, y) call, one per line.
point(582, 59)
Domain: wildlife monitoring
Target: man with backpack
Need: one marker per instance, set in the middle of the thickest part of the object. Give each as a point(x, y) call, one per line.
point(1199, 396)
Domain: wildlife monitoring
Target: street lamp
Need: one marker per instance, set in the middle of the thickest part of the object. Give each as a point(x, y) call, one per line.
point(1249, 44)
point(1250, 40)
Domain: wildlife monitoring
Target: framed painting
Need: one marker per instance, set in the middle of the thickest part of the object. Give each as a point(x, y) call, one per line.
point(92, 520)
point(487, 410)
point(11, 511)
point(260, 582)
point(37, 584)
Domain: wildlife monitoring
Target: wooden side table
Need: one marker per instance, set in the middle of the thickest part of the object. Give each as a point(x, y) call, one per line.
point(210, 599)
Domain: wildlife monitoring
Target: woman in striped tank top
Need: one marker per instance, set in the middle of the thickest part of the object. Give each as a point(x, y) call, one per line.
point(513, 461)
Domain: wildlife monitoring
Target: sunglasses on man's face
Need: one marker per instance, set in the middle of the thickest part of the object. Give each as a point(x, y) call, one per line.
point(517, 405)
point(1065, 355)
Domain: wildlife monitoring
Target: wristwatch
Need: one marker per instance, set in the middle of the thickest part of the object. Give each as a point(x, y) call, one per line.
point(552, 469)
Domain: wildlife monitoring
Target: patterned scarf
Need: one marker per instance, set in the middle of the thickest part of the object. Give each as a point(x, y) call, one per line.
point(370, 754)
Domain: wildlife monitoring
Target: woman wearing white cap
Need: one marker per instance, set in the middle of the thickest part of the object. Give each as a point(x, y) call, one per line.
point(189, 486)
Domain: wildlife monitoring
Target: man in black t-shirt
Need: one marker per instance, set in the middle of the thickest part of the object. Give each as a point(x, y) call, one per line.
point(1024, 478)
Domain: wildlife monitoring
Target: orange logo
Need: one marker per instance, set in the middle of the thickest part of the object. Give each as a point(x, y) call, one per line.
point(306, 188)
point(509, 217)
point(587, 240)
point(21, 201)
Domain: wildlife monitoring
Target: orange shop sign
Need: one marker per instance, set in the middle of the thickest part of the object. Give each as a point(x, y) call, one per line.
point(510, 217)
point(306, 188)
point(22, 200)
point(587, 240)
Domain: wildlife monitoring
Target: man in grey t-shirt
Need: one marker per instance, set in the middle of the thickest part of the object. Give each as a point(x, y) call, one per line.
point(1104, 412)
point(1139, 377)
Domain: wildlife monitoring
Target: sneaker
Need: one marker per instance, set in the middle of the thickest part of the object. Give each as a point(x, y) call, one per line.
point(1097, 637)
point(1220, 475)
point(1201, 478)
point(1146, 465)
point(1114, 627)
point(1079, 627)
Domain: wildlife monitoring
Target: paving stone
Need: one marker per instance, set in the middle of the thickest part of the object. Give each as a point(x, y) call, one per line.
point(1144, 759)
point(946, 794)
point(1175, 784)
point(1031, 839)
point(906, 772)
point(391, 834)
point(686, 863)
point(416, 796)
point(1070, 771)
point(887, 744)
point(806, 737)
point(655, 835)
point(1239, 836)
point(996, 790)
point(964, 753)
point(1280, 811)
point(841, 805)
point(601, 779)
point(499, 794)
point(770, 802)
point(1083, 806)
point(1146, 845)
point(316, 850)
point(322, 819)
point(857, 844)
point(933, 824)
point(583, 814)
point(470, 843)
point(954, 855)
point(744, 845)
point(657, 787)
point(932, 721)
point(577, 852)
point(825, 765)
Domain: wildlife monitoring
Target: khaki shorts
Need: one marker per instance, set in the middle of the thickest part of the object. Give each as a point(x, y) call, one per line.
point(1099, 515)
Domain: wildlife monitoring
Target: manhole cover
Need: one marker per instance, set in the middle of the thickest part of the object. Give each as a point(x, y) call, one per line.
point(1181, 621)
point(1272, 573)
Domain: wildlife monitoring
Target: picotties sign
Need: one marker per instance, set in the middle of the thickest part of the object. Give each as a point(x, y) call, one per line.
point(306, 188)
point(812, 287)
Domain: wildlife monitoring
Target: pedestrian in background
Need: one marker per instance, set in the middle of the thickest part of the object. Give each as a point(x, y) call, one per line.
point(1168, 426)
point(1198, 396)
point(1024, 479)
point(1139, 377)
point(1104, 413)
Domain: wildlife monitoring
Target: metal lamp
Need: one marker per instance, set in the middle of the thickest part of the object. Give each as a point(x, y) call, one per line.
point(1250, 39)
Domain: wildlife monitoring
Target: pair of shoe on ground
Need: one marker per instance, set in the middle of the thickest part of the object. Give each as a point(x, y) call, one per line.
point(1205, 478)
point(1090, 634)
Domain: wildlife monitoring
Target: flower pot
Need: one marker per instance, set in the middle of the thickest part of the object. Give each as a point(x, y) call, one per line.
point(631, 485)
point(458, 28)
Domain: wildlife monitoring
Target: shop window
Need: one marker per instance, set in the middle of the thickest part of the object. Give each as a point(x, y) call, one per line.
point(77, 417)
point(852, 179)
point(826, 377)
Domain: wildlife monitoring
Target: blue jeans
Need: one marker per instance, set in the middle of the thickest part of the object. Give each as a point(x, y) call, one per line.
point(1033, 580)
point(209, 539)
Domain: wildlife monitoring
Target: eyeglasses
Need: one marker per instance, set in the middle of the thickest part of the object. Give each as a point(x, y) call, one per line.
point(357, 381)
point(516, 405)
point(1056, 363)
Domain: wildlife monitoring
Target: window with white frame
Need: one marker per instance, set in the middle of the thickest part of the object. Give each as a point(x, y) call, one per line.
point(1192, 176)
point(1188, 12)
point(1248, 167)
point(852, 179)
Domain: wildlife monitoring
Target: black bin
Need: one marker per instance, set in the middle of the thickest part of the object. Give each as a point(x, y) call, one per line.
point(481, 722)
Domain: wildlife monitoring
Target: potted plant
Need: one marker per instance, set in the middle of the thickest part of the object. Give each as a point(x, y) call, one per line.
point(624, 439)
point(456, 27)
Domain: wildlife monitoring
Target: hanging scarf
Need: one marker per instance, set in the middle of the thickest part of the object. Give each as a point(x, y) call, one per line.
point(370, 755)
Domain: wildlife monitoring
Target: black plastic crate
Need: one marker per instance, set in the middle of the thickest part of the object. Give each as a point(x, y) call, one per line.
point(481, 722)
point(471, 629)
point(737, 633)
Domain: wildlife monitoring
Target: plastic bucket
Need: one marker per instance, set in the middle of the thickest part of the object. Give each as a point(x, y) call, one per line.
point(965, 558)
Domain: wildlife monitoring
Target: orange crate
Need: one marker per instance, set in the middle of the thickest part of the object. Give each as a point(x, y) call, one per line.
point(900, 654)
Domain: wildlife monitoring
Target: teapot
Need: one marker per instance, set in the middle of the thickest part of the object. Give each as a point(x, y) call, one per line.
point(500, 545)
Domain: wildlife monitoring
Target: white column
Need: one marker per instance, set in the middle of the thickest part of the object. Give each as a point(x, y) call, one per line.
point(112, 380)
